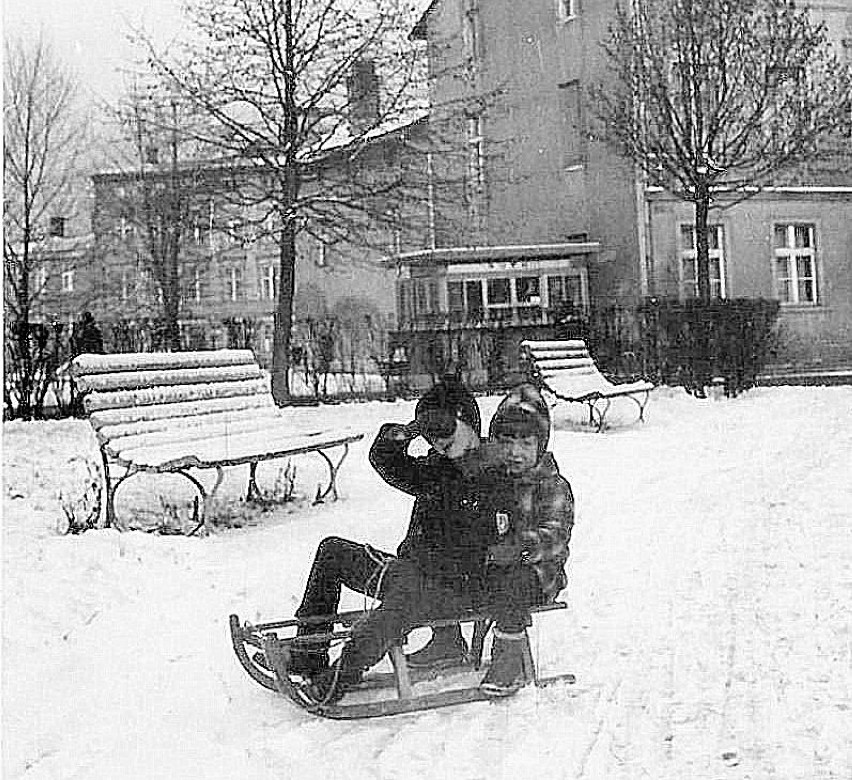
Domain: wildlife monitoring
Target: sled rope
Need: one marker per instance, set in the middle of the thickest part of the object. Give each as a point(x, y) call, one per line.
point(382, 562)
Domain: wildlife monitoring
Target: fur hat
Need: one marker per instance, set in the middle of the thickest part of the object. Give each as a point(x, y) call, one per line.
point(523, 412)
point(439, 408)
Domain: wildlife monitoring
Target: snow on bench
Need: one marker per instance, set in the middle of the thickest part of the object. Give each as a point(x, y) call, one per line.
point(566, 370)
point(171, 412)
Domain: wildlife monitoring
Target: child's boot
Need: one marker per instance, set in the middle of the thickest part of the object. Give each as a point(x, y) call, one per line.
point(505, 676)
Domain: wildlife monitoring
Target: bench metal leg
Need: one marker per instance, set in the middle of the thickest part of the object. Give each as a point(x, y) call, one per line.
point(109, 519)
point(333, 468)
point(253, 491)
point(601, 415)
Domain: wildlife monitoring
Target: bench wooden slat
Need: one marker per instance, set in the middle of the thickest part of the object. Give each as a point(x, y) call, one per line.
point(88, 364)
point(188, 429)
point(168, 395)
point(120, 421)
point(139, 380)
point(229, 450)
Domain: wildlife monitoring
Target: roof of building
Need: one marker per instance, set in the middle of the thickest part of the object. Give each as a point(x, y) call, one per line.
point(479, 254)
point(418, 32)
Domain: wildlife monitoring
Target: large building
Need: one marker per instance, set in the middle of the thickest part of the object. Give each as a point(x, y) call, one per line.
point(556, 217)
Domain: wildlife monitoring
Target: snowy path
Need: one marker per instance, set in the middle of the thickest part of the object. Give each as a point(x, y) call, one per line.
point(711, 584)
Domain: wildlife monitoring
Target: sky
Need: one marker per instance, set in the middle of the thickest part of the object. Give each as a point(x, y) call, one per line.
point(90, 35)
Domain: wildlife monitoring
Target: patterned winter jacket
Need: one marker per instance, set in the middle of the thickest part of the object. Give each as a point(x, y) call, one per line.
point(533, 517)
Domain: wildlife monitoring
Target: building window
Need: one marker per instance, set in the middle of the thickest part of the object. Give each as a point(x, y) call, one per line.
point(689, 261)
point(322, 257)
point(68, 280)
point(570, 114)
point(42, 278)
point(235, 283)
point(268, 283)
point(198, 285)
point(471, 38)
point(565, 291)
point(527, 291)
point(475, 166)
point(56, 227)
point(125, 286)
point(126, 228)
point(498, 292)
point(566, 10)
point(794, 263)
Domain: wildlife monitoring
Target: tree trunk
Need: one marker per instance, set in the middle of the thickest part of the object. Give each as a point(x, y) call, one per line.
point(284, 314)
point(287, 236)
point(702, 357)
point(702, 243)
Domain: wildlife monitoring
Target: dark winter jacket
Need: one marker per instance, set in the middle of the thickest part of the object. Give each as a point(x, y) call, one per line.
point(533, 516)
point(449, 534)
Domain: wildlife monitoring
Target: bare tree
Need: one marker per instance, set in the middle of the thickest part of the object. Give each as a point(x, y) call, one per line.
point(43, 135)
point(716, 99)
point(292, 89)
point(155, 193)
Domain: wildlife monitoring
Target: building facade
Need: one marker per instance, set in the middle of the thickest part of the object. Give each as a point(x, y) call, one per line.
point(538, 177)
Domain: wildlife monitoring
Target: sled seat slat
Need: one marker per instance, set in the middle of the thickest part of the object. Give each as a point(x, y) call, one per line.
point(171, 412)
point(566, 370)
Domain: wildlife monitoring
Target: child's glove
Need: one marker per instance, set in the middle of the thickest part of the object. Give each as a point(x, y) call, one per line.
point(401, 433)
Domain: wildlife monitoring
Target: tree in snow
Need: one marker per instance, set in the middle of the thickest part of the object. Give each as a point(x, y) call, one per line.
point(43, 139)
point(296, 94)
point(720, 95)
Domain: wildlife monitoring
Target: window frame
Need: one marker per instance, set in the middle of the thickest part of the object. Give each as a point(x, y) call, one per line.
point(68, 280)
point(792, 254)
point(57, 226)
point(268, 280)
point(567, 10)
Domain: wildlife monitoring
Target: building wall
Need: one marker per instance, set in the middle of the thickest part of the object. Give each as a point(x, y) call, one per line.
point(331, 277)
point(547, 179)
point(809, 333)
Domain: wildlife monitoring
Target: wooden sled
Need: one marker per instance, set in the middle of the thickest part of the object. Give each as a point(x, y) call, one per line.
point(380, 693)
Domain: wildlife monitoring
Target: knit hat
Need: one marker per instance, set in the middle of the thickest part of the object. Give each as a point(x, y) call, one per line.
point(440, 407)
point(523, 412)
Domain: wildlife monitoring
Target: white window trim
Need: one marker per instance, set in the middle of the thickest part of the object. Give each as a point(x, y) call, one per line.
point(691, 253)
point(790, 251)
point(566, 10)
point(269, 282)
point(235, 283)
point(68, 280)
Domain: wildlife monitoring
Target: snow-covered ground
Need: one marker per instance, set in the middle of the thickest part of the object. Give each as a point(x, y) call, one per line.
point(709, 625)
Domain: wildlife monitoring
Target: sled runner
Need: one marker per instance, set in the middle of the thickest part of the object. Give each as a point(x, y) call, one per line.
point(264, 650)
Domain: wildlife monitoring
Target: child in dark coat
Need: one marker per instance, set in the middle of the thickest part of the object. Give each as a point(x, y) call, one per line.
point(494, 536)
point(438, 554)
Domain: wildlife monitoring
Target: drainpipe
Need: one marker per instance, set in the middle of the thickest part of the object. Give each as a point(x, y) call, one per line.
point(642, 234)
point(430, 177)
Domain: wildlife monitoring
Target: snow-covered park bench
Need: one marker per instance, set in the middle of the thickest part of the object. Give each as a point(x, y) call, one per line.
point(566, 370)
point(175, 412)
